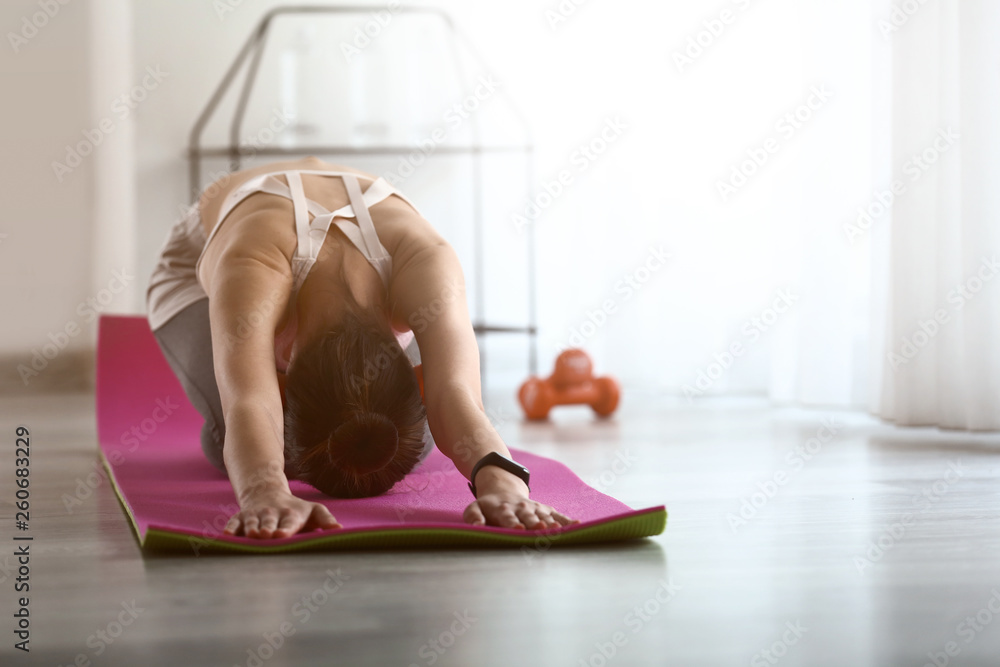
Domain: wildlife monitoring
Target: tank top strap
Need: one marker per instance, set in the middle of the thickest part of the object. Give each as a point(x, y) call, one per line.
point(311, 234)
point(263, 183)
point(372, 247)
point(301, 206)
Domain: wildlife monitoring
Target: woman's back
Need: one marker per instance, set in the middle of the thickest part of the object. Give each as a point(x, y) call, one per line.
point(263, 225)
point(265, 222)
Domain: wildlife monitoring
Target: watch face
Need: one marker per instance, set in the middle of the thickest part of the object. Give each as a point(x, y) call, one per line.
point(518, 469)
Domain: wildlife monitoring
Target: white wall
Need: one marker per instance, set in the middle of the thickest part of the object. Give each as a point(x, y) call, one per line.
point(45, 257)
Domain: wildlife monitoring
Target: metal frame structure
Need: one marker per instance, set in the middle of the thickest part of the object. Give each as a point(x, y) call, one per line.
point(253, 51)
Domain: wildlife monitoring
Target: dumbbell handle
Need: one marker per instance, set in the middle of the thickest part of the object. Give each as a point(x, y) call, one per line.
point(584, 392)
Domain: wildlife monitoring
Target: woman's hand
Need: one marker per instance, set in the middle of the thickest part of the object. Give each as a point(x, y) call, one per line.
point(503, 501)
point(277, 513)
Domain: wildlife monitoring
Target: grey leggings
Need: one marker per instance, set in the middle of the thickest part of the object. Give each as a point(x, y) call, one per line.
point(186, 341)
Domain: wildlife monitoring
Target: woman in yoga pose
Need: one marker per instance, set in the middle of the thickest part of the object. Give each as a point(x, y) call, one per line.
point(292, 301)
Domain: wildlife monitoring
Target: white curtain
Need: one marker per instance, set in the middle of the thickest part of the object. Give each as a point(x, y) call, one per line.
point(900, 310)
point(937, 301)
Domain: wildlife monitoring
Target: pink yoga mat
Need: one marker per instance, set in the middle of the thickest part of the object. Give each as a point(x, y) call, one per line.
point(176, 500)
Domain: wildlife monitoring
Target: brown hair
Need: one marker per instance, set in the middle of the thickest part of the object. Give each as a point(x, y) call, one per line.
point(354, 420)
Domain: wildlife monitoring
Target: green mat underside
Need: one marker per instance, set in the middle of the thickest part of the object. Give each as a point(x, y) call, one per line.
point(630, 527)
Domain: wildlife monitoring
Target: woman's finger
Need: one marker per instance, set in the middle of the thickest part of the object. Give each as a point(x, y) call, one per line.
point(233, 525)
point(563, 519)
point(250, 524)
point(322, 517)
point(528, 517)
point(288, 523)
point(505, 517)
point(474, 515)
point(546, 517)
point(269, 521)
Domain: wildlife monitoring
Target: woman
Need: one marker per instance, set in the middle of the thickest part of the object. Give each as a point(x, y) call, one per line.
point(283, 301)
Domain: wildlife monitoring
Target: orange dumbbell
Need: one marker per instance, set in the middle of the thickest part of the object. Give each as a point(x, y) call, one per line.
point(571, 383)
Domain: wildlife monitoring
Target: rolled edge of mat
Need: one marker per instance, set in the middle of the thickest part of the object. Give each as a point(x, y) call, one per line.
point(121, 499)
point(640, 524)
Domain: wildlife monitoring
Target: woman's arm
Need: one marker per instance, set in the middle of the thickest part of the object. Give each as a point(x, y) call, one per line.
point(429, 294)
point(249, 292)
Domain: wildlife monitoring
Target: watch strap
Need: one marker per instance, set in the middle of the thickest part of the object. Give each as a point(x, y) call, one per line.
point(501, 461)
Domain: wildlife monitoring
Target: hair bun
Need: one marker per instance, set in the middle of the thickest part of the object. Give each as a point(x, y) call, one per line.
point(364, 443)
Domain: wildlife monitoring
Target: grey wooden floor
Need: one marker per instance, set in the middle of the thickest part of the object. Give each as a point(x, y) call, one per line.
point(802, 582)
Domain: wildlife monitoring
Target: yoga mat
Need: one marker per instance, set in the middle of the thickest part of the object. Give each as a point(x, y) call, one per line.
point(176, 500)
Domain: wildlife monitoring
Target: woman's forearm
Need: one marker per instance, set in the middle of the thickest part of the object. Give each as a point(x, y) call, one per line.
point(254, 449)
point(462, 430)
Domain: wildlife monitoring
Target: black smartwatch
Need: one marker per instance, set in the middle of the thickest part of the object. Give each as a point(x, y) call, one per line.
point(495, 459)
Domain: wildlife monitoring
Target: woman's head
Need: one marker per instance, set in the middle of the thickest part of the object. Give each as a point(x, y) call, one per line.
point(354, 421)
